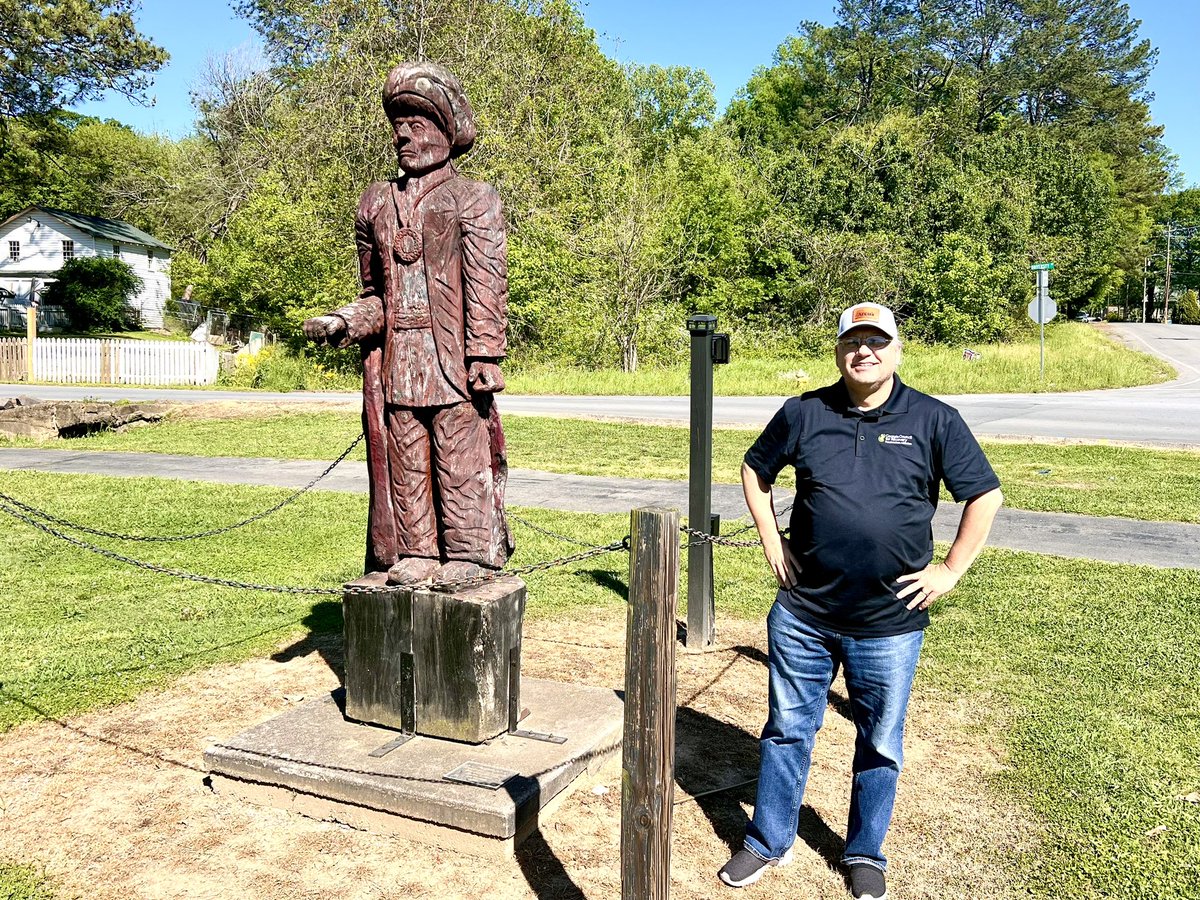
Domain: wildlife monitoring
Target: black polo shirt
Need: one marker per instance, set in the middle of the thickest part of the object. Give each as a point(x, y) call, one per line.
point(866, 490)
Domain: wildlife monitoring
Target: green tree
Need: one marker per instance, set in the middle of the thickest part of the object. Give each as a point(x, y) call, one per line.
point(670, 103)
point(961, 295)
point(1180, 211)
point(55, 53)
point(1187, 311)
point(1011, 130)
point(107, 169)
point(96, 293)
point(276, 262)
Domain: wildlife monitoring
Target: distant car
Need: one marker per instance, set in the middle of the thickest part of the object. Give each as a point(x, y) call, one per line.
point(1087, 317)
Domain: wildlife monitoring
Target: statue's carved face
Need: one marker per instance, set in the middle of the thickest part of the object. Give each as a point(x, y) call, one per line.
point(421, 145)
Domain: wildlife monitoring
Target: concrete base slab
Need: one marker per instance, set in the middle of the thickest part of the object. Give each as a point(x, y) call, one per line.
point(312, 760)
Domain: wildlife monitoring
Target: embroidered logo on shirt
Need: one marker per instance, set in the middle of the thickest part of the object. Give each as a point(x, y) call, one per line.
point(904, 440)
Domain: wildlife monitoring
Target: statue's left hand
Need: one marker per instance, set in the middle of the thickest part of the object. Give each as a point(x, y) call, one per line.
point(485, 377)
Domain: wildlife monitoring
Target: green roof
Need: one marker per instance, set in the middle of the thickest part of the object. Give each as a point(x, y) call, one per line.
point(111, 229)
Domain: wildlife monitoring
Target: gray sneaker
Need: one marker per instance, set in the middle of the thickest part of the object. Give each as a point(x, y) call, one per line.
point(746, 868)
point(867, 882)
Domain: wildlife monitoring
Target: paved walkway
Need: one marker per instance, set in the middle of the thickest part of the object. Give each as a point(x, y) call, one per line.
point(1163, 544)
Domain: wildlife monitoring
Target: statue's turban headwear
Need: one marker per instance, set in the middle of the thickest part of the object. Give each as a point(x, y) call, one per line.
point(430, 90)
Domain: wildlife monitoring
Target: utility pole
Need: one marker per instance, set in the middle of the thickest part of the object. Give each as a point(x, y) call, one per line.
point(1145, 288)
point(1167, 287)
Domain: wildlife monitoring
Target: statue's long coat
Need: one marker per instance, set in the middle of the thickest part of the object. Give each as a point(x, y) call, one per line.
point(465, 255)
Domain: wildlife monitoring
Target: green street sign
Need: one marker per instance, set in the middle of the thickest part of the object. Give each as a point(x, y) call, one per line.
point(1041, 267)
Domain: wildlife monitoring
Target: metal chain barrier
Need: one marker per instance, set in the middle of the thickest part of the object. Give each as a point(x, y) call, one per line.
point(75, 526)
point(164, 570)
point(703, 537)
point(39, 518)
point(547, 531)
point(477, 581)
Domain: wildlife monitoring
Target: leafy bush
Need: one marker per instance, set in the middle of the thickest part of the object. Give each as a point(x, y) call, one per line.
point(1187, 309)
point(275, 368)
point(97, 294)
point(962, 295)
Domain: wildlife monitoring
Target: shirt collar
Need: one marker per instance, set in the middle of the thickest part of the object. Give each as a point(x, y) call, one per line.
point(837, 399)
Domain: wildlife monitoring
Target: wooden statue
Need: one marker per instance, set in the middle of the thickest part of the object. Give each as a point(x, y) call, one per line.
point(431, 322)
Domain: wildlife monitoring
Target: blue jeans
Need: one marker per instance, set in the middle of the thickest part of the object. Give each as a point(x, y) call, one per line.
point(802, 661)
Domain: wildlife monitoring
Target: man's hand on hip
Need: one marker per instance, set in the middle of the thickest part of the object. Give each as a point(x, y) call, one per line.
point(779, 557)
point(927, 585)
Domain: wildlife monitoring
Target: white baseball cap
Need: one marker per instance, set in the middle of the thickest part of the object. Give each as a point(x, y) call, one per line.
point(868, 314)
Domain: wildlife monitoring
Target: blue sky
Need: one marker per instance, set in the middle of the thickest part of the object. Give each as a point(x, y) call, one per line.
point(728, 40)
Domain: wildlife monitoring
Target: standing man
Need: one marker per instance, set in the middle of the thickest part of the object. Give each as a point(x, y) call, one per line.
point(856, 580)
point(431, 321)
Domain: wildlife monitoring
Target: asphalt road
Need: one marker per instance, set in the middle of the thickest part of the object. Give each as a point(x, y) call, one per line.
point(1156, 415)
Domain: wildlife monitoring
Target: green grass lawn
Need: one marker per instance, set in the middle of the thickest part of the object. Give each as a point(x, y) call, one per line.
point(1097, 480)
point(1088, 671)
point(77, 630)
point(1078, 357)
point(1092, 673)
point(24, 882)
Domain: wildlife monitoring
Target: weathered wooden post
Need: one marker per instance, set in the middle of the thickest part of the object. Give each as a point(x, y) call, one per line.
point(648, 754)
point(30, 336)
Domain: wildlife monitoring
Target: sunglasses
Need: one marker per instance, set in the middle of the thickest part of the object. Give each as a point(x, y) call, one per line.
point(874, 342)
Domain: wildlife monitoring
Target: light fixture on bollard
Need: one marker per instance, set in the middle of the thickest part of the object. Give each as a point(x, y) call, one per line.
point(708, 347)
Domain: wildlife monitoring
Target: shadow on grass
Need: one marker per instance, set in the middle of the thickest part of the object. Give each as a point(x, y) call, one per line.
point(324, 624)
point(717, 763)
point(610, 580)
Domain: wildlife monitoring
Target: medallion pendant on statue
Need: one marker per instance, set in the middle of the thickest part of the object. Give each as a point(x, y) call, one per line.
point(407, 245)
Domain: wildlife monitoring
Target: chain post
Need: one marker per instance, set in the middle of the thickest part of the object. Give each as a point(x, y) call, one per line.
point(701, 609)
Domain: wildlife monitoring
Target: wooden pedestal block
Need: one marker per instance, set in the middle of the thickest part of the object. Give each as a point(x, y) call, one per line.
point(444, 665)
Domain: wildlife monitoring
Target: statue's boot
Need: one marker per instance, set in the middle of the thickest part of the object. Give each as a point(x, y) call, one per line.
point(412, 570)
point(459, 570)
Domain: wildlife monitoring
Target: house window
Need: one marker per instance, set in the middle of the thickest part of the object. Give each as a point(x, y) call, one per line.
point(68, 251)
point(14, 250)
point(116, 251)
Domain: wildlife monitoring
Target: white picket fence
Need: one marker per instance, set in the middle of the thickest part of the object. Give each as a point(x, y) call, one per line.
point(105, 361)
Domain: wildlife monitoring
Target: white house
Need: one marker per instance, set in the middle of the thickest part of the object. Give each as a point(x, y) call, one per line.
point(36, 242)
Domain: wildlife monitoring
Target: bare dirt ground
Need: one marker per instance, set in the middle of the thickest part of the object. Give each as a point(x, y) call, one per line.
point(113, 804)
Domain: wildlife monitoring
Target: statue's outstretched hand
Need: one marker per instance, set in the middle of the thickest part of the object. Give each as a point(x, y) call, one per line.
point(327, 330)
point(485, 377)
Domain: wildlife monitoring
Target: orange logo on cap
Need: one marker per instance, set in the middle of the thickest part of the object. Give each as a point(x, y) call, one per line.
point(865, 314)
